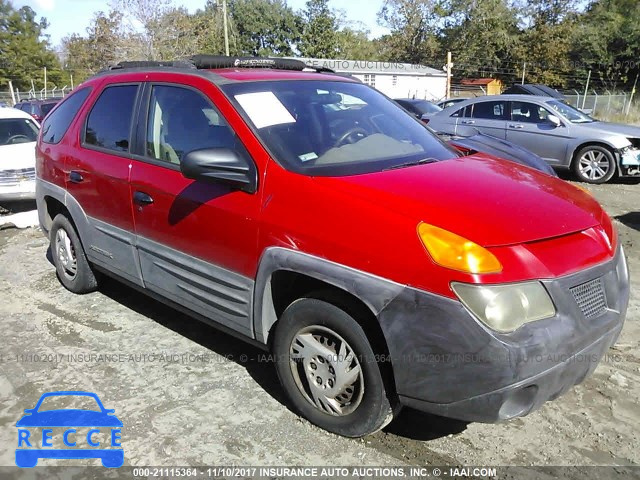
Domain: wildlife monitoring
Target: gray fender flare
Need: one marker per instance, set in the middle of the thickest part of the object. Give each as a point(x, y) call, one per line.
point(373, 291)
point(47, 189)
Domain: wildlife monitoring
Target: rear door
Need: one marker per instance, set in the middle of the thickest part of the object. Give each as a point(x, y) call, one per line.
point(97, 177)
point(530, 129)
point(197, 241)
point(488, 117)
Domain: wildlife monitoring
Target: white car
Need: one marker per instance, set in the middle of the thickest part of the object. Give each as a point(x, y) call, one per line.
point(18, 135)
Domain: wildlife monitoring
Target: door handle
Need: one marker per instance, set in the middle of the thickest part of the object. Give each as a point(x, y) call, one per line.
point(468, 122)
point(75, 177)
point(142, 198)
point(518, 126)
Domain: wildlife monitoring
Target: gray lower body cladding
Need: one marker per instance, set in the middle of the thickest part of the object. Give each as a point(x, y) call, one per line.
point(445, 362)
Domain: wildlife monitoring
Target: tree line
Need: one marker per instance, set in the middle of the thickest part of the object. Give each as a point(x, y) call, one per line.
point(556, 42)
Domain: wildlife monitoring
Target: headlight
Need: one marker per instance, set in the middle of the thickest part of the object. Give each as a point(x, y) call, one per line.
point(506, 308)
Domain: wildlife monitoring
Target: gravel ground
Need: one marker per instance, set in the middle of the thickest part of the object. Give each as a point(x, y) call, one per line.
point(212, 399)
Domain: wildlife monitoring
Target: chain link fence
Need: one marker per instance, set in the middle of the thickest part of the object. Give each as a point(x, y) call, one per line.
point(7, 99)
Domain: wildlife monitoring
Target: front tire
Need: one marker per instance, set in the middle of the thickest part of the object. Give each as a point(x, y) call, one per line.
point(72, 266)
point(594, 164)
point(329, 370)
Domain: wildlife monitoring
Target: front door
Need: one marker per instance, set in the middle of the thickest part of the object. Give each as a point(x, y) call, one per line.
point(530, 129)
point(196, 241)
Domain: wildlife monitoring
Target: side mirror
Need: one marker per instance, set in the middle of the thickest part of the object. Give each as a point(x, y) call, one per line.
point(553, 120)
point(220, 165)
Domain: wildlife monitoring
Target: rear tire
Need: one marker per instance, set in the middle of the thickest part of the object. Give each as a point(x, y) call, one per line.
point(329, 370)
point(594, 164)
point(72, 266)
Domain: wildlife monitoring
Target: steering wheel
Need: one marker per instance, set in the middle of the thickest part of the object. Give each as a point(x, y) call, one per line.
point(12, 138)
point(349, 134)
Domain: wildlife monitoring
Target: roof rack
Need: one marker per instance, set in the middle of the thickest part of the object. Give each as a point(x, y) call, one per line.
point(203, 61)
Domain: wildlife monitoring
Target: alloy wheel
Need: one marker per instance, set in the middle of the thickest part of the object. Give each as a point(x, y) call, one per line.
point(594, 165)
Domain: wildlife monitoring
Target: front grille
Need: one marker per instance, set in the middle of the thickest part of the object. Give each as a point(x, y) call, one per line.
point(14, 177)
point(590, 298)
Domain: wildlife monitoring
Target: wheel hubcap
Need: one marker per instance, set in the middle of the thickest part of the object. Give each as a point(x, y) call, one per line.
point(66, 254)
point(326, 370)
point(594, 165)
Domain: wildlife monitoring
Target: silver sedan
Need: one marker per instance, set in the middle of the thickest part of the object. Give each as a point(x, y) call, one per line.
point(562, 135)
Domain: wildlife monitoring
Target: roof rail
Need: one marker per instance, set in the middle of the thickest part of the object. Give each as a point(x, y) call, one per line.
point(149, 64)
point(221, 61)
point(203, 61)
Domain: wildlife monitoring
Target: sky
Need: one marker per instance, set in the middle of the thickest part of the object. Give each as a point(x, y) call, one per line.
point(73, 16)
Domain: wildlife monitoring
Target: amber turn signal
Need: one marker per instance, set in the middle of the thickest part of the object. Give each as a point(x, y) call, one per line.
point(453, 251)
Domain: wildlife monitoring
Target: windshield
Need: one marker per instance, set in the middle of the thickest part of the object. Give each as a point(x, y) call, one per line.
point(570, 113)
point(334, 128)
point(17, 130)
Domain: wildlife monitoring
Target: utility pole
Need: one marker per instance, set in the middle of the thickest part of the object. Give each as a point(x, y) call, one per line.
point(448, 69)
point(71, 76)
point(586, 89)
point(524, 69)
point(13, 95)
point(226, 30)
point(45, 82)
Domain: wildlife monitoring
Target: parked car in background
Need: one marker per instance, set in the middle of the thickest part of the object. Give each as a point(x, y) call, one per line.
point(3, 105)
point(533, 89)
point(421, 109)
point(498, 148)
point(450, 101)
point(38, 109)
point(18, 134)
point(379, 265)
point(563, 136)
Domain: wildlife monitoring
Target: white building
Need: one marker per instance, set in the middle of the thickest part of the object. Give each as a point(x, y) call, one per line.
point(396, 80)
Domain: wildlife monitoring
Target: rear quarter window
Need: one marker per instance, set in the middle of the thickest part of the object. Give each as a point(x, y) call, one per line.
point(56, 125)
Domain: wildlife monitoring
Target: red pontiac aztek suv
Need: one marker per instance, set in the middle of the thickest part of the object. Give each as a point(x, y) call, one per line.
point(309, 214)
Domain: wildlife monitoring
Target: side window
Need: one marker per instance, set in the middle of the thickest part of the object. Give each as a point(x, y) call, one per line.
point(463, 112)
point(181, 120)
point(526, 112)
point(458, 113)
point(490, 110)
point(56, 125)
point(109, 123)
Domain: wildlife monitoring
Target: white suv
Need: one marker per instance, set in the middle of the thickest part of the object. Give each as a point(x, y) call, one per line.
point(18, 135)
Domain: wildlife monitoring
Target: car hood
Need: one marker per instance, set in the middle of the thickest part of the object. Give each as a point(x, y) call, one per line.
point(616, 128)
point(491, 202)
point(21, 155)
point(69, 418)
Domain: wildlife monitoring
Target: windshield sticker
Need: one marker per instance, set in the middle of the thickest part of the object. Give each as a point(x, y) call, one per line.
point(308, 156)
point(264, 109)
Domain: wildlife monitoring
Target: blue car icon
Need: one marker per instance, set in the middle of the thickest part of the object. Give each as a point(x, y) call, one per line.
point(69, 419)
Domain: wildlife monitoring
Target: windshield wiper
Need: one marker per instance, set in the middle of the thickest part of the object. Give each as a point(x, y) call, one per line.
point(422, 161)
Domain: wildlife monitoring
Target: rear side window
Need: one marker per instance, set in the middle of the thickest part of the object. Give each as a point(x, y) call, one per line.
point(491, 110)
point(46, 108)
point(56, 125)
point(109, 123)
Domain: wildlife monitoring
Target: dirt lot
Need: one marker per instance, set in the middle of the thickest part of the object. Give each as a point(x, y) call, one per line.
point(211, 399)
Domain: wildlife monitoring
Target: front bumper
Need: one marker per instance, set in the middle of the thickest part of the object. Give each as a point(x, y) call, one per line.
point(447, 363)
point(25, 190)
point(629, 162)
